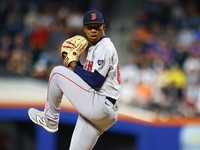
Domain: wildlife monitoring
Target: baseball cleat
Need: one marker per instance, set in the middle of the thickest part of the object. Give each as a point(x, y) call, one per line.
point(39, 118)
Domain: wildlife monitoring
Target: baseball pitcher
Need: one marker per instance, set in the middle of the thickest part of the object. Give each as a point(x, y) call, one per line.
point(92, 88)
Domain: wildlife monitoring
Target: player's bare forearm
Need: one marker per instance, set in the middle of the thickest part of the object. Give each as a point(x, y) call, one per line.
point(72, 65)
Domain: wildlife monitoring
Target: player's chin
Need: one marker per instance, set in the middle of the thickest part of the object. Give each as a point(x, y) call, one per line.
point(94, 41)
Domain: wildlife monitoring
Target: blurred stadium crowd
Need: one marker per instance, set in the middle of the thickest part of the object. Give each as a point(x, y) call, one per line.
point(32, 32)
point(162, 71)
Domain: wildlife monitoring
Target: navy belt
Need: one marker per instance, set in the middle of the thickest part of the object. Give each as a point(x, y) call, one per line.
point(113, 101)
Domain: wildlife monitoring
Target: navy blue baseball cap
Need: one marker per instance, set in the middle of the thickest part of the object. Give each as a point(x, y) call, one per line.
point(93, 17)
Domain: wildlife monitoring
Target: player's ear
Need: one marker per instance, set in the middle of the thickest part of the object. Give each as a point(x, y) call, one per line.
point(104, 26)
point(84, 29)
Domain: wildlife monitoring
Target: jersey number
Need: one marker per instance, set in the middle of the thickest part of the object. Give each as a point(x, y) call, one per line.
point(118, 74)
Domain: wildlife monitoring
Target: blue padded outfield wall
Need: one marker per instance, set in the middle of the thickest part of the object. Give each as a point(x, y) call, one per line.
point(155, 136)
point(136, 129)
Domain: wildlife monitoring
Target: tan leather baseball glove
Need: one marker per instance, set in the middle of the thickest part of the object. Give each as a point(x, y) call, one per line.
point(73, 48)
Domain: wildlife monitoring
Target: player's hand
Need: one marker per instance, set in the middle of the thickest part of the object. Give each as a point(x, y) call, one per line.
point(64, 55)
point(72, 65)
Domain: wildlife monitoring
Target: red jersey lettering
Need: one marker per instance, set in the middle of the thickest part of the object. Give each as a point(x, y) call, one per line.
point(88, 65)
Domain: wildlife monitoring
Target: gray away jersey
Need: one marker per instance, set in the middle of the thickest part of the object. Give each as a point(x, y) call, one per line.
point(103, 58)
